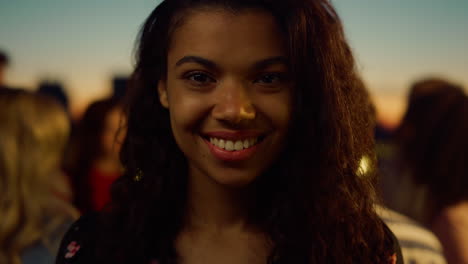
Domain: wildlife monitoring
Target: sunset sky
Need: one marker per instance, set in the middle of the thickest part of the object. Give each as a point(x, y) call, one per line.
point(84, 43)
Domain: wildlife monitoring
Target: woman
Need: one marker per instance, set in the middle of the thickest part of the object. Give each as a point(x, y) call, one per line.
point(245, 133)
point(433, 151)
point(93, 161)
point(33, 133)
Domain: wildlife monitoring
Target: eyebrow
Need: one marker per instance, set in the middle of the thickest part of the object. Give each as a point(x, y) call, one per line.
point(205, 62)
point(259, 65)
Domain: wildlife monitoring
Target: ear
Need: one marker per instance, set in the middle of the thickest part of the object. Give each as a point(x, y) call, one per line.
point(162, 91)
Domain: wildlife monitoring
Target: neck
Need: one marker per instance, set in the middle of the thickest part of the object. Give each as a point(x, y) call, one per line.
point(212, 206)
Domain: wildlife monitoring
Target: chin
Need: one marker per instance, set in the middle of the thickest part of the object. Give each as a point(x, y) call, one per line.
point(234, 179)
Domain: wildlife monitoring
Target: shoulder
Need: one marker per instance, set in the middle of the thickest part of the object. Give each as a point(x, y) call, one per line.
point(407, 229)
point(455, 215)
point(77, 245)
point(452, 220)
point(451, 226)
point(418, 244)
point(396, 256)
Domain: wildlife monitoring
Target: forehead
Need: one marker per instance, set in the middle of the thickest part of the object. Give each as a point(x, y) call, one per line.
point(217, 33)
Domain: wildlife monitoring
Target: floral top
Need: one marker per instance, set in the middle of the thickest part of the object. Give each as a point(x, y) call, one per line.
point(77, 245)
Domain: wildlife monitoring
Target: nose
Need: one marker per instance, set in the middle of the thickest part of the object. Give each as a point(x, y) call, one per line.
point(233, 105)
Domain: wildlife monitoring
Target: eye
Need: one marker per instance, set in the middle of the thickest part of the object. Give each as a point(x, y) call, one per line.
point(269, 78)
point(199, 78)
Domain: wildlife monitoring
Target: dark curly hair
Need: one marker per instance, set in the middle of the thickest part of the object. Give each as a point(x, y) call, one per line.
point(313, 206)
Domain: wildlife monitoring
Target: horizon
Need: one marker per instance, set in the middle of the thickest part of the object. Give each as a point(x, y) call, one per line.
point(84, 44)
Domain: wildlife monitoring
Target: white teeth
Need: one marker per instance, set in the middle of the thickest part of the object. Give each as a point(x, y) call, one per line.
point(239, 145)
point(230, 145)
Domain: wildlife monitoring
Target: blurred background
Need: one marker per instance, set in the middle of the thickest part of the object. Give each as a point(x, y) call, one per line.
point(83, 45)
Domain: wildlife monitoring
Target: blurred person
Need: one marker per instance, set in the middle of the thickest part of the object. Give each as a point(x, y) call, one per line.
point(245, 132)
point(418, 244)
point(56, 90)
point(4, 61)
point(120, 86)
point(432, 151)
point(33, 133)
point(94, 154)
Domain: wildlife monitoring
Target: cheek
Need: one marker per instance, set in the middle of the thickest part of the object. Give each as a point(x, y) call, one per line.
point(186, 114)
point(107, 141)
point(283, 116)
point(278, 110)
point(185, 123)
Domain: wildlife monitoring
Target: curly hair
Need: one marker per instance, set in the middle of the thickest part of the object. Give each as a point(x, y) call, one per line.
point(313, 206)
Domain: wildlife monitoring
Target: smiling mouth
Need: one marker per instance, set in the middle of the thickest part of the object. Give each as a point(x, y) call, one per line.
point(234, 145)
point(233, 141)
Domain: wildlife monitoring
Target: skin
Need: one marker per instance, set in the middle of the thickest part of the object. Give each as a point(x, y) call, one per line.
point(244, 87)
point(451, 227)
point(112, 138)
point(2, 74)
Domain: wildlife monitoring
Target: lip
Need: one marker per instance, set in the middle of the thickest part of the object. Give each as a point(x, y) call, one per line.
point(232, 156)
point(233, 135)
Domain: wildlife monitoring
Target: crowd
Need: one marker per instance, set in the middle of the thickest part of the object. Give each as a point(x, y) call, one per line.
point(248, 140)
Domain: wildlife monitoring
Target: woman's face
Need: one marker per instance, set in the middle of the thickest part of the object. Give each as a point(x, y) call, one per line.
point(112, 134)
point(228, 92)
